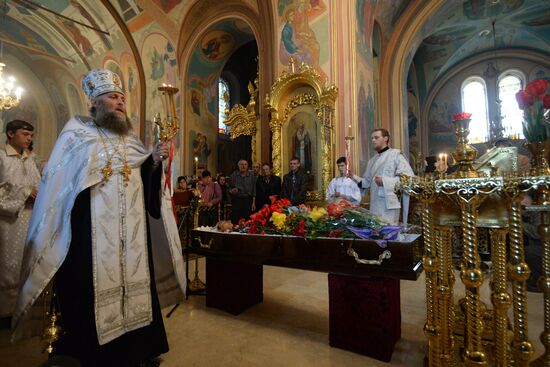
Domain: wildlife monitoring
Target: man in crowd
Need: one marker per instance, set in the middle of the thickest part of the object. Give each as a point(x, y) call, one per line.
point(105, 229)
point(381, 177)
point(256, 169)
point(268, 187)
point(294, 183)
point(343, 187)
point(19, 180)
point(242, 188)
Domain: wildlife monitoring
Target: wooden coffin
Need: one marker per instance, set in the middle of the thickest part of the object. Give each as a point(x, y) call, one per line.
point(328, 255)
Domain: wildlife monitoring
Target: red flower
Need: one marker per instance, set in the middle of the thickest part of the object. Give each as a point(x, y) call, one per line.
point(279, 205)
point(524, 99)
point(461, 116)
point(547, 101)
point(285, 202)
point(537, 87)
point(335, 233)
point(276, 207)
point(253, 229)
point(300, 229)
point(335, 210)
point(265, 212)
point(258, 218)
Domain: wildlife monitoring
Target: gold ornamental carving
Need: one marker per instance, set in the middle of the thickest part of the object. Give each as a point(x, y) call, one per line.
point(295, 87)
point(242, 120)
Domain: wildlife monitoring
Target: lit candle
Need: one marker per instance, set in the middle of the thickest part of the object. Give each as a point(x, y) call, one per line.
point(445, 162)
point(440, 162)
point(197, 167)
point(349, 130)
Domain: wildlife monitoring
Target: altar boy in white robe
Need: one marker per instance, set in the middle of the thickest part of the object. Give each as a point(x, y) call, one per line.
point(19, 180)
point(382, 175)
point(343, 187)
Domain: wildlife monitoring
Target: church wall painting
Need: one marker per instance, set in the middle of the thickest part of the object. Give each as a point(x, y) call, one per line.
point(441, 137)
point(200, 148)
point(364, 24)
point(74, 100)
point(130, 74)
point(300, 21)
point(159, 64)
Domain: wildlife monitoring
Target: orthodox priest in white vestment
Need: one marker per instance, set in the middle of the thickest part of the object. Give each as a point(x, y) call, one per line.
point(19, 179)
point(382, 176)
point(104, 230)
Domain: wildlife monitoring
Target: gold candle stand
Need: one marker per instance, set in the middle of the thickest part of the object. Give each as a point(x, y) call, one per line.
point(477, 197)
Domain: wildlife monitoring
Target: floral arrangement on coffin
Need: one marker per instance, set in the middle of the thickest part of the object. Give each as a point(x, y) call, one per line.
point(535, 103)
point(336, 220)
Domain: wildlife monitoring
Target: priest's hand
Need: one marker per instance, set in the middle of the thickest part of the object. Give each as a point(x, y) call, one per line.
point(379, 181)
point(160, 152)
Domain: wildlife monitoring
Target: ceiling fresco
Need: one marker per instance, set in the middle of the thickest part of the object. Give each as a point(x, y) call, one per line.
point(387, 13)
point(75, 31)
point(467, 30)
point(217, 45)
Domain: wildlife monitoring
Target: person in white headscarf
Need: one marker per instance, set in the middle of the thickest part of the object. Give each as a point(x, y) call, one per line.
point(103, 229)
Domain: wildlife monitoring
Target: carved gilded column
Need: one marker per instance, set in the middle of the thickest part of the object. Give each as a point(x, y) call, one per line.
point(544, 285)
point(472, 277)
point(276, 127)
point(430, 263)
point(445, 281)
point(518, 271)
point(499, 296)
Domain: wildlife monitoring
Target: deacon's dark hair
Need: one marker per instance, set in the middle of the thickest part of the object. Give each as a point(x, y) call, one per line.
point(206, 173)
point(295, 159)
point(181, 178)
point(15, 125)
point(383, 131)
point(341, 160)
point(267, 164)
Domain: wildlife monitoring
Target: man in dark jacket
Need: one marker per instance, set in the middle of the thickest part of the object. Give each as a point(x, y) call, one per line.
point(294, 183)
point(268, 186)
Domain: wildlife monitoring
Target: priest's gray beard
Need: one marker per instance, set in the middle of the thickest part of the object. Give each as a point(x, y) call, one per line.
point(111, 121)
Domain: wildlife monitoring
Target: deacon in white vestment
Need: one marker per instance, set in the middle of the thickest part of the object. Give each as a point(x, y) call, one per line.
point(382, 176)
point(343, 187)
point(19, 180)
point(104, 228)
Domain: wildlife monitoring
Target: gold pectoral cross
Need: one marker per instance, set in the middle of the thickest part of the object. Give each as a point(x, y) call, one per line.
point(107, 171)
point(126, 172)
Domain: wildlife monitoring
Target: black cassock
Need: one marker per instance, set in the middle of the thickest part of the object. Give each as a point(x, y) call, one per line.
point(75, 292)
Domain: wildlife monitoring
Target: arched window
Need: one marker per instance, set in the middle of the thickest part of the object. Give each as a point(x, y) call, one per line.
point(509, 84)
point(223, 104)
point(474, 100)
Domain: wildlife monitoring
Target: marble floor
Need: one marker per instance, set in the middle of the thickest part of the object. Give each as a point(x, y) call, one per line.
point(290, 328)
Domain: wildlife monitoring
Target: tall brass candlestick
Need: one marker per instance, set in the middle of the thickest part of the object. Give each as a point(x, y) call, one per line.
point(168, 127)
